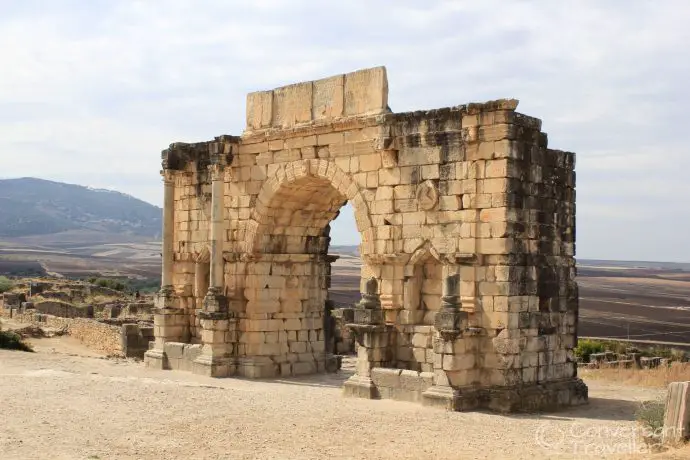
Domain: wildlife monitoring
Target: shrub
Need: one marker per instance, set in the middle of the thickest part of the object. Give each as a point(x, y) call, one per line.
point(650, 415)
point(12, 341)
point(586, 347)
point(5, 284)
point(108, 283)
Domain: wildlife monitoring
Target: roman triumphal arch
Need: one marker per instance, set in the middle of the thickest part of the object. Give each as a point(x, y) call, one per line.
point(466, 221)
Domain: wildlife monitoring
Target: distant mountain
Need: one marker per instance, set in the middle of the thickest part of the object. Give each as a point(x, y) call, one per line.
point(31, 206)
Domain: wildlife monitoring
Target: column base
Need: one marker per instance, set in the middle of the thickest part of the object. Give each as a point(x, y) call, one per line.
point(214, 366)
point(155, 359)
point(360, 387)
point(448, 398)
point(257, 368)
point(215, 302)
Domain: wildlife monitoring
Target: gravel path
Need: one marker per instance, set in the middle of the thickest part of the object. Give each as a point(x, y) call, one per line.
point(56, 405)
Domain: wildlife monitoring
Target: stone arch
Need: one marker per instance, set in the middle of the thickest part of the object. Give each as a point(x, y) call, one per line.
point(328, 185)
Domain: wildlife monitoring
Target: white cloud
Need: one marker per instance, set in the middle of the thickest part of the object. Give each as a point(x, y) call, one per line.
point(90, 92)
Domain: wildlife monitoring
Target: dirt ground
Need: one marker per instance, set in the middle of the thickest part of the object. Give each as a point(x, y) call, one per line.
point(58, 403)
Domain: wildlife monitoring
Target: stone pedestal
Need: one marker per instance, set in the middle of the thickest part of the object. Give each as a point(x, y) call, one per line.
point(169, 325)
point(373, 339)
point(218, 337)
point(372, 351)
point(450, 324)
point(677, 414)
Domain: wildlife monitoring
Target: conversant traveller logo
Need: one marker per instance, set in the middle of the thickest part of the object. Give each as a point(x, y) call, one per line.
point(596, 439)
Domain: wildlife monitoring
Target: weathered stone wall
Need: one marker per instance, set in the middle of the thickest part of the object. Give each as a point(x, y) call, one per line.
point(135, 339)
point(98, 336)
point(62, 309)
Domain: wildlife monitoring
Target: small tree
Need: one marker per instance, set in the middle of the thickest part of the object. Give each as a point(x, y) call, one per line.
point(5, 284)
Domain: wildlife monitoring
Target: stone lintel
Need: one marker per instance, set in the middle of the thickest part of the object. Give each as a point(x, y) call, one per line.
point(360, 93)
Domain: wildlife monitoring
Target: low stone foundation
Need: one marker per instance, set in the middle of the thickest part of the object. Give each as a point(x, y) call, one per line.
point(181, 356)
point(189, 357)
point(124, 340)
point(406, 385)
point(401, 385)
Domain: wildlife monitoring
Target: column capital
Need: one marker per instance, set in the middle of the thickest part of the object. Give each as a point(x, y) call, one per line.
point(217, 171)
point(168, 176)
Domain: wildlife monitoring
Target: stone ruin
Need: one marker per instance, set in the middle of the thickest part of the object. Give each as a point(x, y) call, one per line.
point(467, 226)
point(46, 305)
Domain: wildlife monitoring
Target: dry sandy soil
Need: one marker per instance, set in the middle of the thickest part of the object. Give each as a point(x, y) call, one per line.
point(59, 404)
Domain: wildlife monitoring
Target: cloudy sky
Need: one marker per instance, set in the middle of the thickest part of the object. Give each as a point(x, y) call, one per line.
point(91, 91)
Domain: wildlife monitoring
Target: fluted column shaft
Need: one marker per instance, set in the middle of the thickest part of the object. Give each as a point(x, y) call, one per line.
point(216, 237)
point(168, 228)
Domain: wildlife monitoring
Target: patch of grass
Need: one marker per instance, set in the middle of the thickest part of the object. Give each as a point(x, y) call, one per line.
point(12, 341)
point(659, 377)
point(5, 284)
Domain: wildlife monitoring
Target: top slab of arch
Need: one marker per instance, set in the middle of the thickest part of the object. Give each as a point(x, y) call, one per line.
point(360, 93)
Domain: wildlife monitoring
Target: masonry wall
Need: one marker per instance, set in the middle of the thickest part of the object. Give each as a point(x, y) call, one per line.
point(95, 335)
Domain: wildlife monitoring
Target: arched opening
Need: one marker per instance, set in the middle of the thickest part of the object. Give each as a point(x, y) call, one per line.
point(288, 282)
point(296, 218)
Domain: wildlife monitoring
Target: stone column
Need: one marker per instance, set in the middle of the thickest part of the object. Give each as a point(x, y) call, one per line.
point(372, 337)
point(168, 229)
point(448, 321)
point(169, 323)
point(218, 330)
point(215, 301)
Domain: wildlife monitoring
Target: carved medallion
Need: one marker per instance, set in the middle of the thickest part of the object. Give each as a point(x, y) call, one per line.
point(427, 196)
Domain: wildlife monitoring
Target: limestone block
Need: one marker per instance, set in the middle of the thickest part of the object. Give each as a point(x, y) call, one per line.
point(303, 368)
point(212, 337)
point(259, 109)
point(292, 105)
point(384, 377)
point(419, 355)
point(458, 362)
point(461, 378)
point(677, 413)
point(328, 98)
point(366, 92)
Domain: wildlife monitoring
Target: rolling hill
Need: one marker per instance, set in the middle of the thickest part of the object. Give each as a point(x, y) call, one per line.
point(30, 206)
